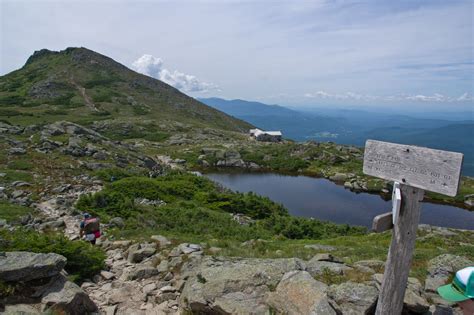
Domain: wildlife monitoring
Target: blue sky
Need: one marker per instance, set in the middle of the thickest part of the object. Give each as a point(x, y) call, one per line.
point(300, 53)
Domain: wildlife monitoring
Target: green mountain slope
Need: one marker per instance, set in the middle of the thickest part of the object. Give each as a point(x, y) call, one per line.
point(81, 85)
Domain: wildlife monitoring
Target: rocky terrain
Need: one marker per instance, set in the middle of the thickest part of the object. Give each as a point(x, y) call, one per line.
point(158, 276)
point(79, 131)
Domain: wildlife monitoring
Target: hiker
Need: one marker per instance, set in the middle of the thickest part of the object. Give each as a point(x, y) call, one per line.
point(461, 290)
point(90, 228)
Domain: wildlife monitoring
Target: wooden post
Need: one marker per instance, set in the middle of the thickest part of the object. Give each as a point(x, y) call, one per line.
point(417, 169)
point(399, 259)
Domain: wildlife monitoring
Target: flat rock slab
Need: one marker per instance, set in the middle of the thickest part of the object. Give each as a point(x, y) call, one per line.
point(25, 266)
point(234, 286)
point(353, 298)
point(299, 293)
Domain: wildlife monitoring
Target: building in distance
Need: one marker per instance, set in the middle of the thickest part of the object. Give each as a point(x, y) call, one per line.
point(267, 136)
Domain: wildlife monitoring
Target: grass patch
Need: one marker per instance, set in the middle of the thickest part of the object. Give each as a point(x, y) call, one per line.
point(22, 165)
point(11, 176)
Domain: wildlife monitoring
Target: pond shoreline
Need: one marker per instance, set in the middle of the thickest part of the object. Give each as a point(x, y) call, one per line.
point(385, 196)
point(326, 200)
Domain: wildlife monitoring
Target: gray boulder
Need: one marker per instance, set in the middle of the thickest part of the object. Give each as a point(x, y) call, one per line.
point(161, 240)
point(136, 255)
point(139, 272)
point(17, 151)
point(65, 297)
point(25, 266)
point(117, 222)
point(440, 269)
point(299, 293)
point(317, 267)
point(352, 298)
point(233, 286)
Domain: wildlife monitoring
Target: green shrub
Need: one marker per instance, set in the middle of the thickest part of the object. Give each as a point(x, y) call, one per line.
point(9, 112)
point(196, 206)
point(83, 259)
point(9, 100)
point(12, 212)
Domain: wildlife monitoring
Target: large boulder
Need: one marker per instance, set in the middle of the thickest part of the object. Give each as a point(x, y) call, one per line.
point(440, 269)
point(299, 293)
point(139, 252)
point(352, 298)
point(317, 267)
point(65, 297)
point(233, 286)
point(25, 266)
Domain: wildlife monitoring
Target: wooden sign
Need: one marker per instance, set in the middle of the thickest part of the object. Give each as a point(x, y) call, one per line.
point(428, 169)
point(416, 169)
point(382, 222)
point(396, 202)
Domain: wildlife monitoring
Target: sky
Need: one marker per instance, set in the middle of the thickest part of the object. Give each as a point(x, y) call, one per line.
point(385, 54)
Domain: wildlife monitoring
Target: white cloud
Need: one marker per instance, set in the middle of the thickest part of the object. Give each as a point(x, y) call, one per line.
point(466, 97)
point(153, 67)
point(436, 97)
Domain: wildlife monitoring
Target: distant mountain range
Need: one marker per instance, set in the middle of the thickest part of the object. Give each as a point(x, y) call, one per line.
point(356, 126)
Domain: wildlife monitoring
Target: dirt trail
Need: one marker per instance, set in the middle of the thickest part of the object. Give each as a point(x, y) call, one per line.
point(82, 91)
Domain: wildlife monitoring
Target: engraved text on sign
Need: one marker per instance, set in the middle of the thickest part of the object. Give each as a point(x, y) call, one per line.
point(433, 170)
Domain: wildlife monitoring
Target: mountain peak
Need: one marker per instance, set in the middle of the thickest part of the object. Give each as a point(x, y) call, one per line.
point(80, 84)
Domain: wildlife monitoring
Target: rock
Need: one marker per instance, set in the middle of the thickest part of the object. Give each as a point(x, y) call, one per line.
point(140, 272)
point(161, 240)
point(413, 301)
point(168, 288)
point(20, 309)
point(163, 266)
point(51, 225)
point(162, 297)
point(149, 288)
point(317, 268)
point(120, 244)
point(110, 310)
point(440, 269)
point(235, 286)
point(374, 264)
point(339, 177)
point(17, 151)
point(326, 257)
point(100, 155)
point(353, 298)
point(299, 293)
point(25, 266)
point(64, 296)
point(17, 194)
point(185, 248)
point(117, 222)
point(137, 255)
point(107, 275)
point(320, 247)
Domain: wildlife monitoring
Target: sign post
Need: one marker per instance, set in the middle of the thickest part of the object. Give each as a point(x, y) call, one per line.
point(416, 169)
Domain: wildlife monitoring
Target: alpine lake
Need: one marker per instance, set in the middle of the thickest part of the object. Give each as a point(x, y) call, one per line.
point(322, 199)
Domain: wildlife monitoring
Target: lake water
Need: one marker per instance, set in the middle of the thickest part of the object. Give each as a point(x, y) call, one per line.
point(322, 199)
